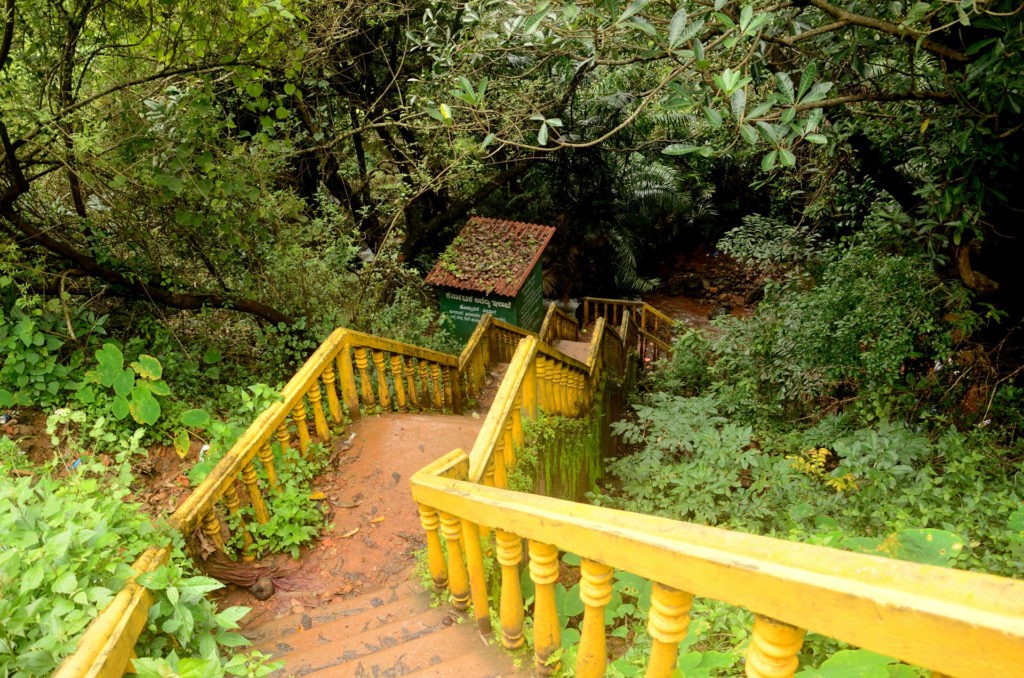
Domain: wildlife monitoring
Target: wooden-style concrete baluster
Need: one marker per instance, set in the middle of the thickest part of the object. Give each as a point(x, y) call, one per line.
point(435, 554)
point(516, 417)
point(362, 367)
point(252, 487)
point(233, 504)
point(282, 435)
point(508, 444)
point(580, 388)
point(458, 389)
point(398, 376)
point(347, 383)
point(267, 458)
point(499, 465)
point(383, 394)
point(458, 577)
point(299, 417)
point(546, 633)
point(544, 399)
point(562, 389)
point(333, 404)
point(323, 433)
point(447, 388)
point(773, 649)
point(666, 622)
point(410, 381)
point(211, 528)
point(595, 592)
point(425, 397)
point(438, 387)
point(477, 580)
point(509, 548)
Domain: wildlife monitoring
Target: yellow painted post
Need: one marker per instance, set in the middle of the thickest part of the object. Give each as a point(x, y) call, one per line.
point(347, 383)
point(333, 404)
point(595, 592)
point(458, 389)
point(383, 394)
point(398, 373)
point(510, 553)
point(544, 400)
point(410, 381)
point(773, 649)
point(516, 425)
point(477, 580)
point(447, 388)
point(489, 473)
point(529, 390)
point(458, 577)
point(211, 528)
point(283, 438)
point(667, 621)
point(425, 397)
point(299, 417)
point(546, 633)
point(232, 503)
point(435, 381)
point(267, 459)
point(323, 433)
point(498, 458)
point(251, 482)
point(362, 365)
point(435, 555)
point(562, 389)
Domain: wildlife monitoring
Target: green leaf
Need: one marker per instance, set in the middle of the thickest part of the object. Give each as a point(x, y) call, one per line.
point(676, 26)
point(785, 85)
point(817, 138)
point(212, 356)
point(768, 161)
point(119, 408)
point(289, 88)
point(851, 664)
point(123, 383)
point(148, 367)
point(927, 546)
point(632, 9)
point(170, 182)
point(66, 583)
point(195, 418)
point(807, 79)
point(110, 362)
point(680, 149)
point(144, 408)
point(542, 134)
point(739, 103)
point(535, 19)
point(6, 398)
point(786, 158)
point(713, 117)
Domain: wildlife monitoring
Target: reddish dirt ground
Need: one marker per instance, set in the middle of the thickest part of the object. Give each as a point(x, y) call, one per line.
point(371, 544)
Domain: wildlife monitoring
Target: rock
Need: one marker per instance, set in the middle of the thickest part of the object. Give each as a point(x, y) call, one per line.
point(262, 588)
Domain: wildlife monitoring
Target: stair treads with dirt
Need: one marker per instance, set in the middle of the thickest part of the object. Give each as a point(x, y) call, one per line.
point(369, 604)
point(394, 649)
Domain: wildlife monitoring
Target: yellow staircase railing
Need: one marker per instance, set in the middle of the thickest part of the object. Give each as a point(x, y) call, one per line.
point(350, 375)
point(953, 622)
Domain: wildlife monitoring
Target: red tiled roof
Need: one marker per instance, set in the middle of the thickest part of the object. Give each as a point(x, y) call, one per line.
point(493, 256)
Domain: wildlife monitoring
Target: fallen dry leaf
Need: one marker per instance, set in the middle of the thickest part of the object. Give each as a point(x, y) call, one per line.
point(344, 504)
point(350, 533)
point(318, 495)
point(377, 519)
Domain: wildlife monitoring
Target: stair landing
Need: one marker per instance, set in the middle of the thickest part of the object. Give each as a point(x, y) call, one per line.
point(353, 608)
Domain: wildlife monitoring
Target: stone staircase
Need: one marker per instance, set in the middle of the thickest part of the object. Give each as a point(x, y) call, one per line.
point(386, 624)
point(393, 631)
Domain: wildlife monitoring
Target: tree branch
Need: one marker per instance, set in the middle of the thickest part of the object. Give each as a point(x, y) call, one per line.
point(137, 288)
point(892, 29)
point(8, 37)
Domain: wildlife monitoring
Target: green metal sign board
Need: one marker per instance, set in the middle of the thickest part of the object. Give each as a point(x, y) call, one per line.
point(465, 308)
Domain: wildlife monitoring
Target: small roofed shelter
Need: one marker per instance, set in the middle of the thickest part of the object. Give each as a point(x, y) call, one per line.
point(492, 266)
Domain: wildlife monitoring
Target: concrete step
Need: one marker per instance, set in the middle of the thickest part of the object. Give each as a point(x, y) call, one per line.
point(362, 607)
point(486, 662)
point(394, 649)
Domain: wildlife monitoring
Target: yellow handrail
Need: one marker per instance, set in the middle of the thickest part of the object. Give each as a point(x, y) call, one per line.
point(961, 623)
point(372, 372)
